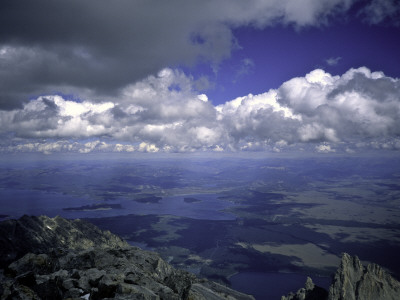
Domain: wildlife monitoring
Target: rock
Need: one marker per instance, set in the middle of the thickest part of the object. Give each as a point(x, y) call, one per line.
point(41, 234)
point(73, 293)
point(93, 276)
point(37, 263)
point(55, 258)
point(125, 289)
point(353, 281)
point(211, 290)
point(27, 279)
point(69, 284)
point(72, 259)
point(48, 288)
point(180, 282)
point(346, 278)
point(310, 292)
point(20, 292)
point(132, 277)
point(107, 287)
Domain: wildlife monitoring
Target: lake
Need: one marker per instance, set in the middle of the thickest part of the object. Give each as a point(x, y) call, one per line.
point(17, 202)
point(272, 285)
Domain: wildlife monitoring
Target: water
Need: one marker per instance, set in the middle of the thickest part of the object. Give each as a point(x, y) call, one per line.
point(142, 246)
point(17, 202)
point(209, 208)
point(273, 285)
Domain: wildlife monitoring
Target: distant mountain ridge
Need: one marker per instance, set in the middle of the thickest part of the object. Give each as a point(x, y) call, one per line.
point(55, 258)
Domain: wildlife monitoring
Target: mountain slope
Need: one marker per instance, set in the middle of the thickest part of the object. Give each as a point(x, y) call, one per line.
point(55, 258)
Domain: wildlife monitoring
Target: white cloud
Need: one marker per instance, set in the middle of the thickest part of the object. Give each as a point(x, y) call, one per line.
point(305, 94)
point(124, 148)
point(305, 12)
point(145, 147)
point(70, 56)
point(53, 116)
point(45, 147)
point(163, 113)
point(324, 148)
point(378, 11)
point(316, 132)
point(104, 47)
point(333, 61)
point(203, 97)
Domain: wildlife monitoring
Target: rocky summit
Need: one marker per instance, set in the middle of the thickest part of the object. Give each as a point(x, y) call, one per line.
point(352, 281)
point(55, 258)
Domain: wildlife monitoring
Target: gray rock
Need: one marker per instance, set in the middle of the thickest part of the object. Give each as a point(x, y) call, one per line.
point(208, 290)
point(140, 292)
point(353, 281)
point(93, 276)
point(37, 263)
point(27, 279)
point(309, 292)
point(41, 234)
point(107, 288)
point(19, 292)
point(72, 259)
point(69, 284)
point(73, 293)
point(48, 289)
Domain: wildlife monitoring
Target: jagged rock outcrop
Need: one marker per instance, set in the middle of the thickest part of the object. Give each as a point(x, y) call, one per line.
point(55, 258)
point(352, 281)
point(59, 259)
point(309, 292)
point(39, 234)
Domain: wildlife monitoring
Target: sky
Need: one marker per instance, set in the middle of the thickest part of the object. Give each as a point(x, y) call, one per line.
point(214, 75)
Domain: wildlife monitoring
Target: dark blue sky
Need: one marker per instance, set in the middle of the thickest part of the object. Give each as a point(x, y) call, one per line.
point(280, 53)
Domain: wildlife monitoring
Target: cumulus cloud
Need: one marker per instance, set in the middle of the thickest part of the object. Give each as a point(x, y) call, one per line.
point(95, 48)
point(324, 148)
point(55, 117)
point(164, 113)
point(159, 112)
point(358, 104)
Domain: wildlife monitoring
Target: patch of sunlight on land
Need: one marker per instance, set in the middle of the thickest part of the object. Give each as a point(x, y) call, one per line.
point(329, 208)
point(167, 231)
point(357, 234)
point(309, 255)
point(200, 259)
